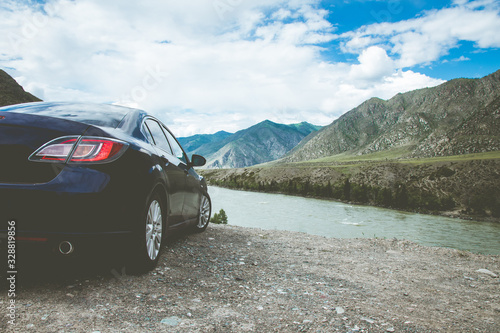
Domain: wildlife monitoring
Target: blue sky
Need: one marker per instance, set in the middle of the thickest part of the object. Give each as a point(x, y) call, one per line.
point(351, 15)
point(208, 65)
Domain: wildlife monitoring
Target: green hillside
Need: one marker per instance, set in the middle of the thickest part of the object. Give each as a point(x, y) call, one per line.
point(12, 93)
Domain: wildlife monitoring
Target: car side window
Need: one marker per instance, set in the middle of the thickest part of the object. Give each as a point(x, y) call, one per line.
point(159, 137)
point(147, 134)
point(178, 152)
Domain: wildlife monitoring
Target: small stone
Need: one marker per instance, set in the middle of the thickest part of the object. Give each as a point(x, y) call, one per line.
point(391, 329)
point(339, 310)
point(368, 320)
point(171, 321)
point(70, 295)
point(487, 272)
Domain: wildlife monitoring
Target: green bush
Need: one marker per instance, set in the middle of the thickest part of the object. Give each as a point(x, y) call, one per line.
point(219, 218)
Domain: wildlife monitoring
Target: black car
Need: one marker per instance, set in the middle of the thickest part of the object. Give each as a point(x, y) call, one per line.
point(77, 176)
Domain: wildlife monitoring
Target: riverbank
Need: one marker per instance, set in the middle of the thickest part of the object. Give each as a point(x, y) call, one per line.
point(233, 279)
point(466, 187)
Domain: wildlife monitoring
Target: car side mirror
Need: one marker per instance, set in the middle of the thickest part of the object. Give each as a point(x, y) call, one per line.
point(198, 160)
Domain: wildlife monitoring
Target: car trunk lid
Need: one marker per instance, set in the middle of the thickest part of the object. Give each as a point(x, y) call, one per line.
point(20, 136)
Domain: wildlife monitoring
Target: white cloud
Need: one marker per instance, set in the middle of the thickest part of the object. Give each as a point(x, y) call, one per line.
point(461, 58)
point(203, 66)
point(425, 39)
point(374, 64)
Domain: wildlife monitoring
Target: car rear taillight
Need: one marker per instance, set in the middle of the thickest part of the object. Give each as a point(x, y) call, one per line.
point(72, 149)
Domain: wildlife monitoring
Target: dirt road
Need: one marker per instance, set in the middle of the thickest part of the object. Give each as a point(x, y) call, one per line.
point(233, 279)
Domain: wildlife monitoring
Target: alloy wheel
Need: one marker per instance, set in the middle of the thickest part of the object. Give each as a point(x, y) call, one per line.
point(205, 209)
point(154, 229)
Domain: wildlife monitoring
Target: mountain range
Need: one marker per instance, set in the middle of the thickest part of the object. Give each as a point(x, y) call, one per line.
point(457, 117)
point(263, 142)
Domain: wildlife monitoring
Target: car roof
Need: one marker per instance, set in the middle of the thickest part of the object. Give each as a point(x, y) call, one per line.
point(101, 115)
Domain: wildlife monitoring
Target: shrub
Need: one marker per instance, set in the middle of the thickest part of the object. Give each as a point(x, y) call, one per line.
point(219, 218)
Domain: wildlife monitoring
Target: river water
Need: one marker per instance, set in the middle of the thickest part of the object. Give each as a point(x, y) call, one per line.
point(339, 220)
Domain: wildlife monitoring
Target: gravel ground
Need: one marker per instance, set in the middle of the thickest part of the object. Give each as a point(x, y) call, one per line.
point(233, 279)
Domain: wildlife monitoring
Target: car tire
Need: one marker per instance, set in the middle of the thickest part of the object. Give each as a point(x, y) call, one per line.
point(203, 214)
point(149, 236)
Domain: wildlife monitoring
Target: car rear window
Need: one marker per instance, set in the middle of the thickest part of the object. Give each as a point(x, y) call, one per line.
point(97, 115)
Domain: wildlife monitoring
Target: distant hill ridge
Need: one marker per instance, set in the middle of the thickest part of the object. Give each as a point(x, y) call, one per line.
point(457, 117)
point(12, 93)
point(192, 143)
point(263, 142)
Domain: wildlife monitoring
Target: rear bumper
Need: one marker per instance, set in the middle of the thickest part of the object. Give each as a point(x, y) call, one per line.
point(65, 243)
point(79, 203)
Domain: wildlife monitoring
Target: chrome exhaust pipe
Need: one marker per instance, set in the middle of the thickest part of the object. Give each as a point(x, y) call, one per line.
point(66, 248)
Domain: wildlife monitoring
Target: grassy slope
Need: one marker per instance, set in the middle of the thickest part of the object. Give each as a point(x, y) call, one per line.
point(393, 156)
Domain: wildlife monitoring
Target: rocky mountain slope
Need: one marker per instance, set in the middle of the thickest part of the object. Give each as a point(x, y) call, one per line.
point(12, 93)
point(459, 116)
point(260, 143)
